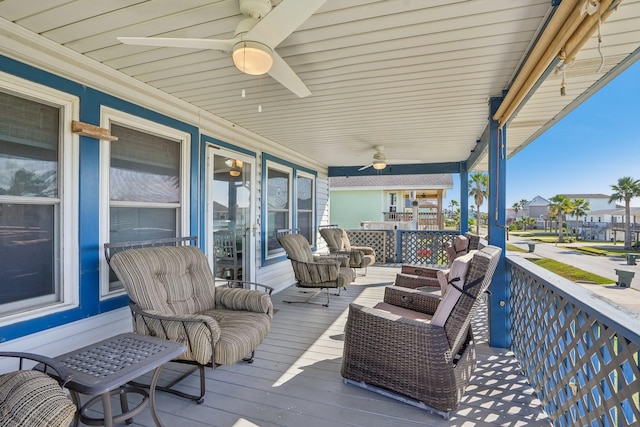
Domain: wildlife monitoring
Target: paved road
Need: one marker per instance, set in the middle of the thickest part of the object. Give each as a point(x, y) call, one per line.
point(601, 265)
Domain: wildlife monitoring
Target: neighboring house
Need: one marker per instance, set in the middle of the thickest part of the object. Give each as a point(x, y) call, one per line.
point(597, 202)
point(537, 208)
point(608, 224)
point(383, 201)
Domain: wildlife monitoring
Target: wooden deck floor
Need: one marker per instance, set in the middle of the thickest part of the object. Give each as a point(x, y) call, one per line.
point(295, 379)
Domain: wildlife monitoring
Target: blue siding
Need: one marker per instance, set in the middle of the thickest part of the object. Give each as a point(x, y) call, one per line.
point(88, 189)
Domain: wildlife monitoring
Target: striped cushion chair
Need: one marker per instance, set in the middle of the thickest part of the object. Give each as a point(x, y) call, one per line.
point(173, 296)
point(33, 398)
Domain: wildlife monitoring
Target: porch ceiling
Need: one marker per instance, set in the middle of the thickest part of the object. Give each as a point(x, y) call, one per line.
point(414, 76)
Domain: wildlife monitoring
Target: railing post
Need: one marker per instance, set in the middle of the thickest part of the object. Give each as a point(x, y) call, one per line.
point(399, 246)
point(464, 199)
point(499, 303)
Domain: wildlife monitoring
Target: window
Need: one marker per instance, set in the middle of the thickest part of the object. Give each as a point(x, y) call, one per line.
point(393, 201)
point(146, 191)
point(306, 202)
point(289, 202)
point(278, 205)
point(37, 160)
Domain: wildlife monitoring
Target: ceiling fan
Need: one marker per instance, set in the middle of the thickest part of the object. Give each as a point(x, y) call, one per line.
point(380, 161)
point(255, 39)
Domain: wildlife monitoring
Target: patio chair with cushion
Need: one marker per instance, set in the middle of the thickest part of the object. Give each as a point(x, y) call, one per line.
point(421, 276)
point(33, 398)
point(338, 242)
point(416, 347)
point(173, 296)
point(315, 271)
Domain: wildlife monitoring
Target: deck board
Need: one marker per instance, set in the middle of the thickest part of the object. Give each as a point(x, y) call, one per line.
point(295, 378)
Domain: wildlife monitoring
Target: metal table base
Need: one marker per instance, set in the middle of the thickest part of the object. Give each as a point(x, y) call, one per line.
point(104, 369)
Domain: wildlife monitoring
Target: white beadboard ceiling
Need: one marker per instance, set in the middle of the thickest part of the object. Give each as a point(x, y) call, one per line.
point(412, 75)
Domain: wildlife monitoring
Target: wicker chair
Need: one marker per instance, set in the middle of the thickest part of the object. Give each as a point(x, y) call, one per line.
point(173, 296)
point(420, 276)
point(314, 272)
point(416, 347)
point(33, 398)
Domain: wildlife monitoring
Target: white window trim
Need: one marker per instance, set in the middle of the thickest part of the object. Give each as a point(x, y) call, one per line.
point(108, 116)
point(67, 240)
point(289, 171)
point(312, 177)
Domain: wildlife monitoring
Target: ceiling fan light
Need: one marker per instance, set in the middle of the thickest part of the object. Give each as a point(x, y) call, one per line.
point(379, 164)
point(252, 58)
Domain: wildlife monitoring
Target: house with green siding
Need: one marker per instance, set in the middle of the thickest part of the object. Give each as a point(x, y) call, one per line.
point(388, 201)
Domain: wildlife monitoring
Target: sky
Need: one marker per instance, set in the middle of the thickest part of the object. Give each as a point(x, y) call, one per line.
point(585, 153)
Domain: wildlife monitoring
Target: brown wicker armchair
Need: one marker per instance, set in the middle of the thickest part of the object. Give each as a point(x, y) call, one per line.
point(174, 296)
point(420, 276)
point(314, 272)
point(416, 347)
point(338, 242)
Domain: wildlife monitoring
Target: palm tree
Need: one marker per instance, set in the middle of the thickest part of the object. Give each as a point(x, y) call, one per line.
point(579, 207)
point(516, 208)
point(478, 189)
point(530, 221)
point(560, 205)
point(453, 204)
point(626, 189)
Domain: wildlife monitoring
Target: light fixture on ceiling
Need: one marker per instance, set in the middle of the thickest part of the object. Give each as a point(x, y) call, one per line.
point(379, 164)
point(235, 166)
point(252, 57)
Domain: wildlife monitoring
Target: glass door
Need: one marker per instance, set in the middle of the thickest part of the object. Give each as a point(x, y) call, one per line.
point(230, 213)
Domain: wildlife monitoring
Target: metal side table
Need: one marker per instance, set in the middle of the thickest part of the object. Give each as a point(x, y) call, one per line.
point(103, 369)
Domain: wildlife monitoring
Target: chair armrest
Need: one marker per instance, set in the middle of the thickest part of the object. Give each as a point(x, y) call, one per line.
point(411, 299)
point(413, 282)
point(364, 249)
point(243, 284)
point(244, 299)
point(316, 272)
point(416, 346)
point(419, 270)
point(355, 255)
point(47, 364)
point(343, 259)
point(197, 332)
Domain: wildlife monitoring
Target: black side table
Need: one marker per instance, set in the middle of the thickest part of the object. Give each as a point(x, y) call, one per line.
point(104, 368)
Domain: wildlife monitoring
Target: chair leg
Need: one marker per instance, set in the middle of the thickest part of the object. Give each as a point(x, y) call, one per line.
point(250, 358)
point(169, 387)
point(310, 298)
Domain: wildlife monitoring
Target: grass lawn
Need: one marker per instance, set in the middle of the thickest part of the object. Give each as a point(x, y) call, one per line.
point(570, 272)
point(515, 248)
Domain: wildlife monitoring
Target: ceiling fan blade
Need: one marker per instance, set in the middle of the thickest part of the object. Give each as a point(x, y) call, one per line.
point(225, 45)
point(365, 167)
point(281, 72)
point(283, 20)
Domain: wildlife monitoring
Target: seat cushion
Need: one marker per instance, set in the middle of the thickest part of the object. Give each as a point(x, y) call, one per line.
point(403, 312)
point(241, 333)
point(33, 399)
